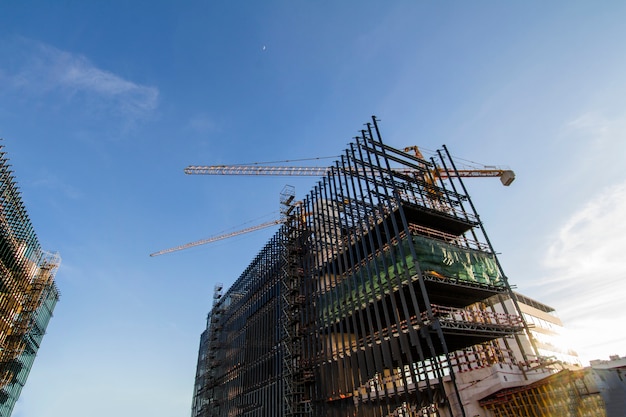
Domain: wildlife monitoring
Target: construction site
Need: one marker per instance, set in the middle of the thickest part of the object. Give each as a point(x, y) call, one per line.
point(28, 293)
point(381, 295)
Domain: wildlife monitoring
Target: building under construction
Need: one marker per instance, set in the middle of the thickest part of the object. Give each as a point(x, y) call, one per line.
point(380, 295)
point(28, 293)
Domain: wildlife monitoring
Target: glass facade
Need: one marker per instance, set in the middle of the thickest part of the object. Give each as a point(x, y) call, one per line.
point(28, 293)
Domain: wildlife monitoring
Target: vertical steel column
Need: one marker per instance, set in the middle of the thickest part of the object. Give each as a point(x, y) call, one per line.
point(292, 275)
point(504, 277)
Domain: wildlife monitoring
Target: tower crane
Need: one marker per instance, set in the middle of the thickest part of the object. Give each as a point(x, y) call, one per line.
point(219, 237)
point(506, 176)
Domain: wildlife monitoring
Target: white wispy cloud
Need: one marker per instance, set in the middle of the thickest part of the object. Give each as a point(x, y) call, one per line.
point(586, 273)
point(594, 233)
point(54, 183)
point(201, 123)
point(40, 69)
point(591, 123)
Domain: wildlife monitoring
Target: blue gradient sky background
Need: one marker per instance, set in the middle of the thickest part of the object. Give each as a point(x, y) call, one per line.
point(102, 105)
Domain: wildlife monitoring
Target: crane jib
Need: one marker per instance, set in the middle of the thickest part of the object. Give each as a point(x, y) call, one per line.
point(507, 176)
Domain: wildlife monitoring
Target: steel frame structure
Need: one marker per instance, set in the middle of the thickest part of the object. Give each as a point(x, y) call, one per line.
point(365, 302)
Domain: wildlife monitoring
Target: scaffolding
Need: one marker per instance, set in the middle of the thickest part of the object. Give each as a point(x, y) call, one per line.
point(379, 289)
point(295, 374)
point(28, 293)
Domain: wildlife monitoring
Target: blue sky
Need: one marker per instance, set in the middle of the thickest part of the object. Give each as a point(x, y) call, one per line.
point(102, 105)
